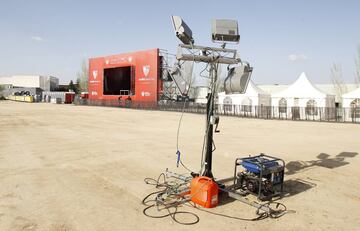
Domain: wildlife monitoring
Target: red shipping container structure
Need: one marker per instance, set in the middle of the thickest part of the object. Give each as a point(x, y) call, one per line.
point(84, 95)
point(134, 76)
point(69, 97)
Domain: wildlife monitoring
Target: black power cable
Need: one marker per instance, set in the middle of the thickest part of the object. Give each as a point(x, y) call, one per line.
point(274, 214)
point(160, 204)
point(171, 189)
point(173, 215)
point(261, 215)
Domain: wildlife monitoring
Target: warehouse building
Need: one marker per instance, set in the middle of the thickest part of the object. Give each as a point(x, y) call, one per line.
point(46, 83)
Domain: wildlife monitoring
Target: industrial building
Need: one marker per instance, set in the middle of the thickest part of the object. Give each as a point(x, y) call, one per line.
point(46, 83)
point(30, 87)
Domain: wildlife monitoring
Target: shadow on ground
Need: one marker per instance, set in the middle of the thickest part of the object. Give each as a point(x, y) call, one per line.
point(293, 187)
point(323, 160)
point(296, 186)
point(225, 199)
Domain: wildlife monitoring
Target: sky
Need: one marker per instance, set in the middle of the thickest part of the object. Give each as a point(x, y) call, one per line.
point(280, 39)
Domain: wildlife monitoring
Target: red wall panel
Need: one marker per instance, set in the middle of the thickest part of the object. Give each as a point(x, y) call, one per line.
point(147, 78)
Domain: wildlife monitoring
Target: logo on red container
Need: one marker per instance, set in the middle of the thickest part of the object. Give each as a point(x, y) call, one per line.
point(95, 73)
point(146, 70)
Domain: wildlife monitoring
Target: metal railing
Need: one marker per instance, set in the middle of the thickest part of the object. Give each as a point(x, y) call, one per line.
point(328, 114)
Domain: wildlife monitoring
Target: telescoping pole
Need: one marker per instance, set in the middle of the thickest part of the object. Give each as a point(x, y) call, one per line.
point(209, 123)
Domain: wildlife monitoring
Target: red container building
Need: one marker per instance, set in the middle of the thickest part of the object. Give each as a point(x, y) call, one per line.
point(69, 97)
point(134, 76)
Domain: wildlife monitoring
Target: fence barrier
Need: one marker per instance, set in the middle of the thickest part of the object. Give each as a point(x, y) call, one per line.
point(328, 114)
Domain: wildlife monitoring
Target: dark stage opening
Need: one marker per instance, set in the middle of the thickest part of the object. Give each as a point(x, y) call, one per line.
point(119, 81)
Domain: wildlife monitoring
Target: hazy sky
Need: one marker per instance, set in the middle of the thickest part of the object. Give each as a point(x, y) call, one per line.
point(279, 38)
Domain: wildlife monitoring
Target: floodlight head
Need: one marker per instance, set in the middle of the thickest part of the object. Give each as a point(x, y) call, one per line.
point(182, 31)
point(238, 79)
point(224, 30)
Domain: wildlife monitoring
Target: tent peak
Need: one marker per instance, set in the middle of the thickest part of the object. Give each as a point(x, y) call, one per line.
point(303, 76)
point(301, 88)
point(304, 80)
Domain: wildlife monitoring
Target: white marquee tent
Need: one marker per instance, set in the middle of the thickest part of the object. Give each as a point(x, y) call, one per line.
point(246, 103)
point(351, 103)
point(351, 98)
point(301, 99)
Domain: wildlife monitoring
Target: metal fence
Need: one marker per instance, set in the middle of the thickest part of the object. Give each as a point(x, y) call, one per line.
point(331, 114)
point(328, 114)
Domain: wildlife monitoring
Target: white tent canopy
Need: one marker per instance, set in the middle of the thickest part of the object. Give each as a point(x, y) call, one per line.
point(351, 103)
point(351, 98)
point(301, 100)
point(300, 92)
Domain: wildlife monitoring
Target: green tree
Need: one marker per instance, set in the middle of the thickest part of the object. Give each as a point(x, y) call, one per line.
point(82, 76)
point(1, 95)
point(73, 87)
point(337, 80)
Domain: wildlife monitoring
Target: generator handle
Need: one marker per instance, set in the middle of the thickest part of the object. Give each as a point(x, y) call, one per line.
point(272, 158)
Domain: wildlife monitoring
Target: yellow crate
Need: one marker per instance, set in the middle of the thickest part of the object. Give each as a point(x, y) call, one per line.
point(29, 99)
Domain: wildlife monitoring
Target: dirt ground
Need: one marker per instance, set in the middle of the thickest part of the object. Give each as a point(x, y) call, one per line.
point(65, 167)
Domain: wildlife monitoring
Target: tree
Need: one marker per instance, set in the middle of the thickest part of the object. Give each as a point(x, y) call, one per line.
point(73, 87)
point(82, 76)
point(77, 84)
point(357, 67)
point(337, 80)
point(1, 89)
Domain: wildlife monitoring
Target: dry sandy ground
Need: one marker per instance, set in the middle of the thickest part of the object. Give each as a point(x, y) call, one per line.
point(65, 167)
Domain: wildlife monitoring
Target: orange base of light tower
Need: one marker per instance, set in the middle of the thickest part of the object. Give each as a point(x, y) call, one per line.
point(204, 192)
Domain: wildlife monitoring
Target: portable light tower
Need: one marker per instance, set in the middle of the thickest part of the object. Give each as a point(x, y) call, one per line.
point(222, 31)
point(261, 176)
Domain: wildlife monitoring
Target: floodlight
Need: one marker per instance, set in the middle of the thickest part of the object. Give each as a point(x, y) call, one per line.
point(182, 31)
point(224, 30)
point(182, 76)
point(237, 79)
